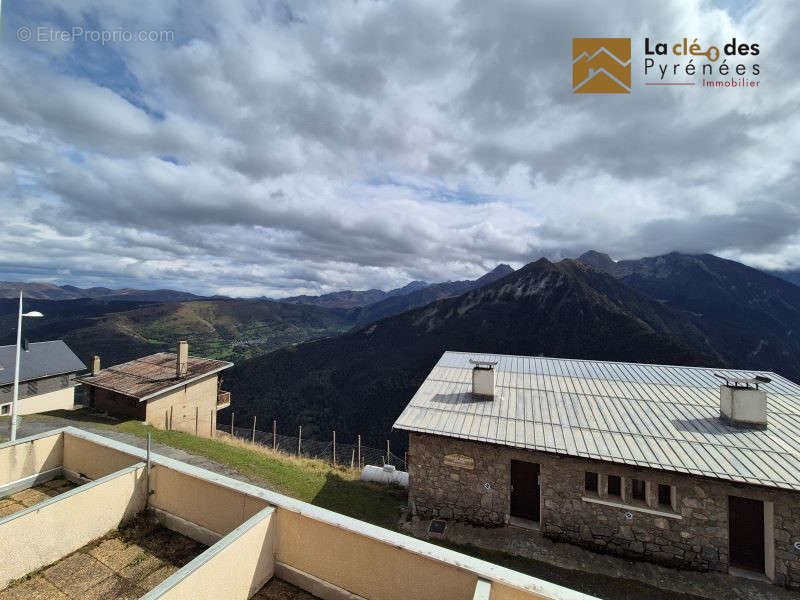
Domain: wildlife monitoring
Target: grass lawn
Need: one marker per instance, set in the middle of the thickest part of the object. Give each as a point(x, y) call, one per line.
point(313, 481)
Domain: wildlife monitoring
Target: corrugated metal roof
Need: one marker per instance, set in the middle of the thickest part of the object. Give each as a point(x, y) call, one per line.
point(658, 416)
point(149, 376)
point(42, 359)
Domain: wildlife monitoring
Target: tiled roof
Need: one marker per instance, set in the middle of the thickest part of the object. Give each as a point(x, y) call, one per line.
point(42, 359)
point(149, 376)
point(664, 417)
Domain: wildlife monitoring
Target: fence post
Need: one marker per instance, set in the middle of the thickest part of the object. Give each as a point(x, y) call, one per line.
point(196, 420)
point(299, 438)
point(211, 424)
point(170, 417)
point(359, 451)
point(233, 414)
point(352, 457)
point(388, 454)
point(334, 448)
point(253, 441)
point(405, 460)
point(166, 420)
point(274, 436)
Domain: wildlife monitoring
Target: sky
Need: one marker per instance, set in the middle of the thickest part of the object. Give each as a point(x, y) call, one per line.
point(273, 148)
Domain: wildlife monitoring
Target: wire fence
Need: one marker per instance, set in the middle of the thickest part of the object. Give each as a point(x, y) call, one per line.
point(354, 455)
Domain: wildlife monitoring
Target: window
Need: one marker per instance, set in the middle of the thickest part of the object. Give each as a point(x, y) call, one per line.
point(590, 482)
point(5, 409)
point(638, 489)
point(614, 485)
point(664, 495)
point(33, 387)
point(65, 381)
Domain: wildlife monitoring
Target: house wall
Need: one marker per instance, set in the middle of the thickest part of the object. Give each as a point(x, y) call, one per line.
point(63, 399)
point(117, 405)
point(693, 533)
point(41, 395)
point(191, 408)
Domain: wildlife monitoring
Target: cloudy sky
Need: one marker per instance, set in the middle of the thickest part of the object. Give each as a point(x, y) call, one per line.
point(278, 148)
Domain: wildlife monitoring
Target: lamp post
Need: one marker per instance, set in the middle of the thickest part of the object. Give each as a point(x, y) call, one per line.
point(33, 313)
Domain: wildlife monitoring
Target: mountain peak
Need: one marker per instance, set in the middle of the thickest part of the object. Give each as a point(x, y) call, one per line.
point(599, 261)
point(498, 272)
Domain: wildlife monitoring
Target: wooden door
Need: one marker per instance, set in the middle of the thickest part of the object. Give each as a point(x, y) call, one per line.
point(746, 533)
point(525, 490)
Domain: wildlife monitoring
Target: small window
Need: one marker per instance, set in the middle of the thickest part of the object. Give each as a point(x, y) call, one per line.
point(664, 495)
point(64, 380)
point(614, 485)
point(33, 387)
point(638, 489)
point(5, 409)
point(590, 483)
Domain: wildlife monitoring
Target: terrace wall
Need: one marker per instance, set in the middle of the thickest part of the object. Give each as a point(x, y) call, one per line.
point(46, 532)
point(235, 567)
point(24, 460)
point(91, 460)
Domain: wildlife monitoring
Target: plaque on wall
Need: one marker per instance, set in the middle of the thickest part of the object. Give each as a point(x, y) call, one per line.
point(459, 461)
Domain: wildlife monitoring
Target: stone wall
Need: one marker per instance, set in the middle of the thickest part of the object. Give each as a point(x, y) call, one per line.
point(473, 484)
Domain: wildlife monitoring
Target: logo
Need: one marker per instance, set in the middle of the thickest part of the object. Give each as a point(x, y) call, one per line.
point(601, 65)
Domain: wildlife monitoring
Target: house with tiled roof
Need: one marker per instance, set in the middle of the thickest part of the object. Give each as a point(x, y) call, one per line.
point(168, 390)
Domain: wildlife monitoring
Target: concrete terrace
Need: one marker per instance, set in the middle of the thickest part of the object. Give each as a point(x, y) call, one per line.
point(17, 501)
point(215, 537)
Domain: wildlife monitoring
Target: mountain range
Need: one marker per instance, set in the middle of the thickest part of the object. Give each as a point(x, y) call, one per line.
point(749, 319)
point(351, 360)
point(94, 320)
point(49, 291)
point(358, 383)
point(355, 298)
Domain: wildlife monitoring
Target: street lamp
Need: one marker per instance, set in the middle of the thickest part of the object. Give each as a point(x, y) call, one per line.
point(33, 313)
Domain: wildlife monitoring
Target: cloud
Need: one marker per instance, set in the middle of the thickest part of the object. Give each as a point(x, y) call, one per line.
point(275, 148)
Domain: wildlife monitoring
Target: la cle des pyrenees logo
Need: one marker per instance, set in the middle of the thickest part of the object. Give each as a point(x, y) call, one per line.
point(601, 65)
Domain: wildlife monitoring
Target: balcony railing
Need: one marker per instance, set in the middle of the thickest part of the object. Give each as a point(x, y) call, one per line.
point(223, 399)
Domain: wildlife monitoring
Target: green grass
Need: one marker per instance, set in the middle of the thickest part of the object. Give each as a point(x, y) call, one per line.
point(310, 480)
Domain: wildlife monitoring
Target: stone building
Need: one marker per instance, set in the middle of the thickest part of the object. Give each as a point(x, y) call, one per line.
point(166, 390)
point(684, 466)
point(46, 377)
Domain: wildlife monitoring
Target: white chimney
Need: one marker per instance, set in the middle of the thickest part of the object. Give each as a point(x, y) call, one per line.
point(95, 365)
point(483, 379)
point(182, 364)
point(741, 402)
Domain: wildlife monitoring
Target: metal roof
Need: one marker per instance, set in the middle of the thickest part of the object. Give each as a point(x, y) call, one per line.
point(42, 359)
point(149, 376)
point(657, 416)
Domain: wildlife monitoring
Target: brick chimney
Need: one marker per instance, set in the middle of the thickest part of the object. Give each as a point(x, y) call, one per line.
point(182, 363)
point(95, 364)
